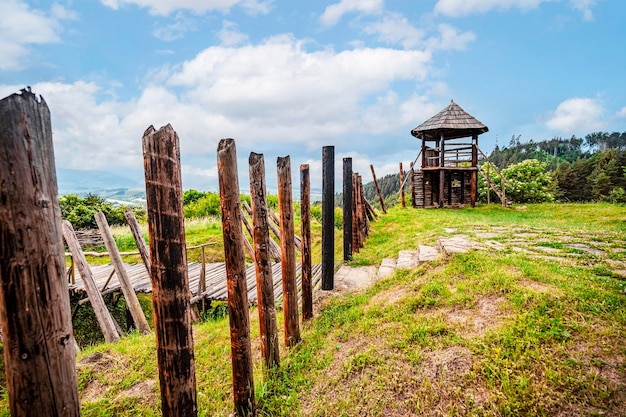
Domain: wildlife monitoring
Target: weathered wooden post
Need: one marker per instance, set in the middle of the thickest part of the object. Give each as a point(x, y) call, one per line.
point(288, 251)
point(347, 209)
point(474, 174)
point(364, 217)
point(402, 186)
point(380, 196)
point(103, 316)
point(168, 266)
point(39, 347)
point(241, 350)
point(328, 217)
point(132, 302)
point(411, 184)
point(355, 219)
point(263, 262)
point(141, 244)
point(305, 226)
point(442, 172)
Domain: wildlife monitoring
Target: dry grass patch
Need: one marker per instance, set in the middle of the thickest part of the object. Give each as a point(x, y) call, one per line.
point(487, 314)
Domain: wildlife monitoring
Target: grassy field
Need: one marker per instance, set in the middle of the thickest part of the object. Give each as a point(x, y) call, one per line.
point(534, 328)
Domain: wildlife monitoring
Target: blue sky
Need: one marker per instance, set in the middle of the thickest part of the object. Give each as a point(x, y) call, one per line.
point(287, 77)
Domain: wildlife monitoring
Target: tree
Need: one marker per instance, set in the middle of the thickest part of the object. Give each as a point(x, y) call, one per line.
point(529, 182)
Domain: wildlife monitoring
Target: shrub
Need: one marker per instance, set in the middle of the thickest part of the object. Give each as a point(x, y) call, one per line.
point(81, 211)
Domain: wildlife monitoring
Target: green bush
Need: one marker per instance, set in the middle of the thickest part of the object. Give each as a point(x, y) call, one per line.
point(81, 211)
point(207, 205)
point(316, 213)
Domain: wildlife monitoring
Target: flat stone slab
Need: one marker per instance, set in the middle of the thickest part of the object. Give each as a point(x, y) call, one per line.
point(457, 244)
point(583, 247)
point(495, 245)
point(428, 253)
point(349, 279)
point(407, 259)
point(546, 249)
point(387, 267)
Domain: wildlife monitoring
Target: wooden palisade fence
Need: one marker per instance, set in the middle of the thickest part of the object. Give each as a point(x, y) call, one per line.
point(39, 346)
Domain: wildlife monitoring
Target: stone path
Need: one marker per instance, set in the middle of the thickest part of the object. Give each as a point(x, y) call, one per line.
point(598, 250)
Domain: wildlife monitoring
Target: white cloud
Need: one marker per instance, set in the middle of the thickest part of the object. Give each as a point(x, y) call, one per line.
point(577, 116)
point(274, 97)
point(176, 29)
point(229, 35)
point(22, 27)
point(333, 13)
point(394, 28)
point(622, 112)
point(584, 6)
point(456, 8)
point(450, 39)
point(166, 7)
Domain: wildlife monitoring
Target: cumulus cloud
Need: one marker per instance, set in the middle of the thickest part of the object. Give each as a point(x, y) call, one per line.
point(450, 39)
point(21, 27)
point(395, 29)
point(577, 116)
point(456, 8)
point(230, 35)
point(333, 13)
point(622, 112)
point(166, 7)
point(176, 29)
point(275, 97)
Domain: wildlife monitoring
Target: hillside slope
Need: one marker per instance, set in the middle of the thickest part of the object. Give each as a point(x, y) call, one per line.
point(535, 328)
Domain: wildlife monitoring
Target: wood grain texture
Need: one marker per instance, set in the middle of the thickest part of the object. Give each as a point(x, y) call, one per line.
point(288, 252)
point(103, 316)
point(241, 350)
point(305, 227)
point(263, 262)
point(132, 302)
point(328, 217)
point(169, 276)
point(38, 343)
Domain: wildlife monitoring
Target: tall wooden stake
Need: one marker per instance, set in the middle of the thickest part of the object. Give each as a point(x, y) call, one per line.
point(127, 287)
point(39, 347)
point(305, 223)
point(402, 186)
point(141, 243)
point(411, 184)
point(380, 196)
point(241, 350)
point(263, 262)
point(355, 218)
point(103, 316)
point(328, 217)
point(288, 251)
point(347, 209)
point(168, 266)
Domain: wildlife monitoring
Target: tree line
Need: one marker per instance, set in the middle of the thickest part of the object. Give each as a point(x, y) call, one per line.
point(589, 169)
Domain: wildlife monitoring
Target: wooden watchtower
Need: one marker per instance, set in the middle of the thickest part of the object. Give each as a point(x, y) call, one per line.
point(449, 164)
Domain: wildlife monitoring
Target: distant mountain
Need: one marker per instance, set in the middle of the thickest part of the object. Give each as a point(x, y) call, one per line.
point(113, 187)
point(75, 181)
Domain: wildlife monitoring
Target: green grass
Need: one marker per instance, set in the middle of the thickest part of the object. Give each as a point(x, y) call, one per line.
point(484, 333)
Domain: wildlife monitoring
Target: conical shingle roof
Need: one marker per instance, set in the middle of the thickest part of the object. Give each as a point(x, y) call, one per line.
point(453, 121)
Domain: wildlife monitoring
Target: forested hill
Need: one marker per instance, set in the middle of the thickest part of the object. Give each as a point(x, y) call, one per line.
point(557, 150)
